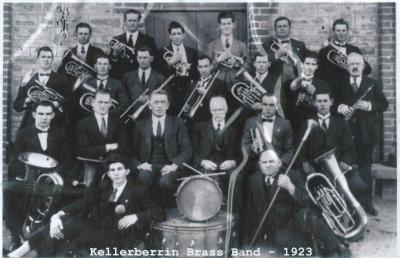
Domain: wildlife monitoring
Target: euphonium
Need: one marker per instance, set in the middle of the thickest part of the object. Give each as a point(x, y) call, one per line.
point(196, 98)
point(232, 62)
point(334, 208)
point(40, 92)
point(76, 67)
point(246, 94)
point(127, 52)
point(335, 56)
point(181, 68)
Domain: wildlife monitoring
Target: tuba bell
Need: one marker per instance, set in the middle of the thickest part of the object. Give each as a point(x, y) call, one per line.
point(247, 94)
point(334, 207)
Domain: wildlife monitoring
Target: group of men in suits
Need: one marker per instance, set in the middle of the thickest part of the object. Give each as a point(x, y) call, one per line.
point(298, 84)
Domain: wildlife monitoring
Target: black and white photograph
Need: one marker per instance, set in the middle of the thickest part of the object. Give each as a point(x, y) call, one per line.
point(199, 129)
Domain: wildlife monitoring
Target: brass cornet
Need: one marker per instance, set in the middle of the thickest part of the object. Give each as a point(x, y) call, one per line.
point(128, 52)
point(40, 92)
point(232, 62)
point(257, 140)
point(76, 67)
point(276, 46)
point(181, 68)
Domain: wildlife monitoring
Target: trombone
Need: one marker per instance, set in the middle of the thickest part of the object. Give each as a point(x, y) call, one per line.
point(181, 68)
point(127, 52)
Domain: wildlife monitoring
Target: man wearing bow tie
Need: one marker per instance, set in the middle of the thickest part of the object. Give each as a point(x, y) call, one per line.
point(160, 145)
point(124, 60)
point(145, 78)
point(117, 214)
point(99, 135)
point(327, 70)
point(43, 75)
point(41, 137)
point(360, 100)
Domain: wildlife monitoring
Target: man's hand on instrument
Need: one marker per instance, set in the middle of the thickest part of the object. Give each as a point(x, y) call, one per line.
point(346, 111)
point(144, 166)
point(308, 169)
point(257, 106)
point(308, 87)
point(127, 221)
point(223, 56)
point(56, 226)
point(168, 169)
point(285, 182)
point(201, 90)
point(174, 59)
point(111, 146)
point(144, 98)
point(227, 164)
point(345, 167)
point(27, 77)
point(208, 165)
point(363, 105)
point(118, 49)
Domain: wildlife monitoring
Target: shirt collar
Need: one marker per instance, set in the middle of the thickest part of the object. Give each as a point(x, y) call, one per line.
point(43, 129)
point(323, 117)
point(134, 35)
point(230, 38)
point(307, 77)
point(147, 71)
point(261, 77)
point(215, 124)
point(102, 79)
point(181, 47)
point(99, 117)
point(156, 119)
point(358, 80)
point(272, 117)
point(340, 44)
point(120, 189)
point(86, 46)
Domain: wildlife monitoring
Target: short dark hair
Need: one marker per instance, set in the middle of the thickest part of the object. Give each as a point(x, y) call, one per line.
point(225, 15)
point(159, 92)
point(175, 25)
point(258, 54)
point(282, 18)
point(103, 56)
point(132, 11)
point(310, 54)
point(202, 57)
point(44, 49)
point(115, 158)
point(83, 25)
point(144, 49)
point(323, 90)
point(102, 92)
point(340, 21)
point(43, 103)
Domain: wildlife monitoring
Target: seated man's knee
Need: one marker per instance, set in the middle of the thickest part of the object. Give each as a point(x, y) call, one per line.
point(168, 182)
point(145, 177)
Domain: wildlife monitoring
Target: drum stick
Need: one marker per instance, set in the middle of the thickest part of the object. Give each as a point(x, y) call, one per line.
point(193, 169)
point(88, 159)
point(205, 175)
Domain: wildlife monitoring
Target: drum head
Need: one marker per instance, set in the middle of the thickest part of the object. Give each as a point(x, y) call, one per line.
point(199, 198)
point(37, 160)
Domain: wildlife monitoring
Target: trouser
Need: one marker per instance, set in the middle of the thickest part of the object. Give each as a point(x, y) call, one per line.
point(364, 162)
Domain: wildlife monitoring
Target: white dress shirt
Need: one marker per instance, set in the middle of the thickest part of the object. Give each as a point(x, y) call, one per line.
point(134, 37)
point(221, 123)
point(270, 178)
point(99, 119)
point(261, 77)
point(358, 81)
point(182, 52)
point(78, 50)
point(102, 80)
point(119, 191)
point(43, 138)
point(321, 118)
point(147, 73)
point(268, 127)
point(155, 120)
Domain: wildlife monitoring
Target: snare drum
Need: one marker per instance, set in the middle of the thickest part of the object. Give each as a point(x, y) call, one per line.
point(199, 198)
point(178, 233)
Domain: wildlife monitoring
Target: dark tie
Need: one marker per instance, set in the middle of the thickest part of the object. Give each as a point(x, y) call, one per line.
point(227, 45)
point(284, 41)
point(324, 124)
point(44, 74)
point(268, 181)
point(130, 41)
point(101, 86)
point(268, 120)
point(112, 196)
point(143, 79)
point(354, 84)
point(82, 52)
point(103, 128)
point(258, 79)
point(159, 132)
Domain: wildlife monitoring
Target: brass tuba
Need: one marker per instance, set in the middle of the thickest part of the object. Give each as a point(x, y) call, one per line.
point(334, 208)
point(40, 92)
point(181, 68)
point(76, 67)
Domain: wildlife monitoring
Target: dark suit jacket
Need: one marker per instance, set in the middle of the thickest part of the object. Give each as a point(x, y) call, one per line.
point(92, 144)
point(364, 124)
point(57, 82)
point(121, 66)
point(118, 93)
point(338, 136)
point(283, 210)
point(282, 137)
point(27, 140)
point(331, 73)
point(176, 140)
point(191, 56)
point(134, 197)
point(204, 141)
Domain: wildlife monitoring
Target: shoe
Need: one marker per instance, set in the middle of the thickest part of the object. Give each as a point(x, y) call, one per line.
point(370, 209)
point(14, 245)
point(344, 252)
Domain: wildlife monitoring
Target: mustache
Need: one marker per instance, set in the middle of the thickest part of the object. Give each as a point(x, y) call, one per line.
point(354, 70)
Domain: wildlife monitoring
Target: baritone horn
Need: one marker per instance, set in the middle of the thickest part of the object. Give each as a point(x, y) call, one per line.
point(76, 67)
point(128, 52)
point(334, 208)
point(181, 68)
point(231, 62)
point(41, 92)
point(335, 56)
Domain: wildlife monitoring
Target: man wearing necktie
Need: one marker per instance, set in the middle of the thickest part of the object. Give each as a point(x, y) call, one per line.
point(124, 60)
point(160, 145)
point(225, 47)
point(333, 133)
point(291, 221)
point(214, 145)
point(145, 78)
point(44, 75)
point(98, 135)
point(116, 214)
point(280, 58)
point(360, 100)
point(328, 71)
point(43, 138)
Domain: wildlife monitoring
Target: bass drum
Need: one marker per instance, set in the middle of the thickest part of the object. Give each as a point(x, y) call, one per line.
point(199, 198)
point(178, 233)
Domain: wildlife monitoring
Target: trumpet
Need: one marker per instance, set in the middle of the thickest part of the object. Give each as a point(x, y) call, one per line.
point(181, 68)
point(41, 92)
point(138, 108)
point(292, 56)
point(231, 62)
point(76, 67)
point(334, 208)
point(257, 141)
point(128, 52)
point(196, 98)
point(86, 99)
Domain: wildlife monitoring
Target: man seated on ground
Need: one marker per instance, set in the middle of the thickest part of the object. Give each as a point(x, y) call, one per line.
point(117, 214)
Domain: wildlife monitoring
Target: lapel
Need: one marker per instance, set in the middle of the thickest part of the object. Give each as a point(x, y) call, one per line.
point(89, 53)
point(95, 126)
point(259, 188)
point(35, 139)
point(295, 47)
point(124, 197)
point(74, 50)
point(276, 128)
point(168, 132)
point(150, 80)
point(50, 139)
point(148, 131)
point(210, 132)
point(363, 86)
